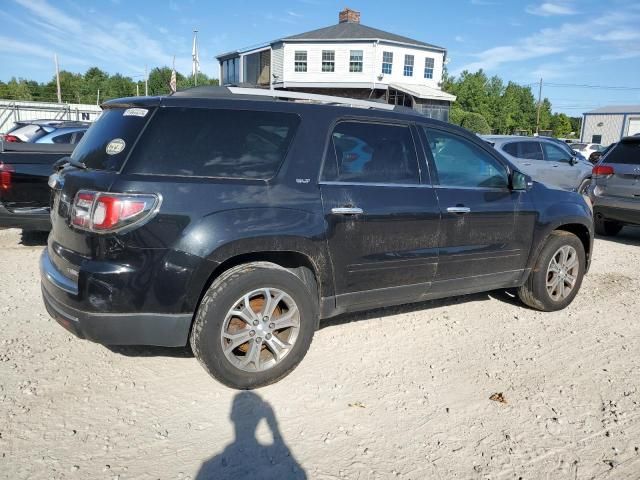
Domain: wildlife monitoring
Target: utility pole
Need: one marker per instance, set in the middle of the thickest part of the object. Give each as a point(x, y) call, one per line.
point(55, 57)
point(137, 88)
point(98, 98)
point(146, 82)
point(539, 105)
point(195, 58)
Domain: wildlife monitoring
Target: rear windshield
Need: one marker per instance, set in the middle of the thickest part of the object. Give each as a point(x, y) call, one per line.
point(214, 143)
point(625, 153)
point(107, 143)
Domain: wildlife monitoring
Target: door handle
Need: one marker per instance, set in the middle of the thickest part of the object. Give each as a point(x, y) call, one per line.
point(527, 164)
point(346, 211)
point(458, 210)
point(555, 165)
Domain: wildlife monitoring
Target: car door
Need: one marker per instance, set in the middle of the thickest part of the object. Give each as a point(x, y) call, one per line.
point(485, 230)
point(561, 170)
point(382, 220)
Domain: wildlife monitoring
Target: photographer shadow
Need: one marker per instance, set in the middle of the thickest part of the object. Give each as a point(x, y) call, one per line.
point(246, 457)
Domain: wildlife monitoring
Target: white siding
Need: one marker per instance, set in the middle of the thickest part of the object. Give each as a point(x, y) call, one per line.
point(633, 125)
point(277, 55)
point(372, 64)
point(610, 129)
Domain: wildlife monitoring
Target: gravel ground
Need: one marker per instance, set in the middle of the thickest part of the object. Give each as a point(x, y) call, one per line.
point(404, 394)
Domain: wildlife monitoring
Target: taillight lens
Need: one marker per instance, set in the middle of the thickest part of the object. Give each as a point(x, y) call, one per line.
point(603, 170)
point(11, 138)
point(109, 212)
point(6, 172)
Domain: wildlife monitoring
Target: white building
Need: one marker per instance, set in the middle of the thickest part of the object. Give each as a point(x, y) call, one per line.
point(607, 125)
point(348, 59)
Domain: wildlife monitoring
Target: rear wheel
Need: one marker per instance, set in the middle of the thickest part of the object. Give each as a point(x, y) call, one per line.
point(607, 228)
point(557, 275)
point(254, 325)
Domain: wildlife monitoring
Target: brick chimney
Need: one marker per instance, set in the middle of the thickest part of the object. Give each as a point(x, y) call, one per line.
point(349, 16)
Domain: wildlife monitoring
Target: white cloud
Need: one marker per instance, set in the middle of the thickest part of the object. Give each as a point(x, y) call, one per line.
point(482, 3)
point(552, 41)
point(548, 9)
point(459, 38)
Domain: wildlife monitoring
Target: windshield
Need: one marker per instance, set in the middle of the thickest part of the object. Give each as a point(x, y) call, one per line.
point(107, 143)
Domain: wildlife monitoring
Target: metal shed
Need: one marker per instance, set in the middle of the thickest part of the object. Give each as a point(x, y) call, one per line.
point(607, 125)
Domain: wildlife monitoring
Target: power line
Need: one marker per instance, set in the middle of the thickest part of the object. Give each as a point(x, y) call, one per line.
point(603, 87)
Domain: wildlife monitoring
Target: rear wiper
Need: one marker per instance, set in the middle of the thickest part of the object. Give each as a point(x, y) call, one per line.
point(77, 164)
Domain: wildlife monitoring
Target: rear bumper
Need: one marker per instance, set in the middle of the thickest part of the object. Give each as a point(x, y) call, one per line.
point(24, 220)
point(167, 330)
point(625, 210)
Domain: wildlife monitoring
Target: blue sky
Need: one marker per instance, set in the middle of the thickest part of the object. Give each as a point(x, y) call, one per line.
point(567, 42)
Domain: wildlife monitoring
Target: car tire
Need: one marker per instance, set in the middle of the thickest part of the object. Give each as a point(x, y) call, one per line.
point(606, 228)
point(540, 291)
point(213, 337)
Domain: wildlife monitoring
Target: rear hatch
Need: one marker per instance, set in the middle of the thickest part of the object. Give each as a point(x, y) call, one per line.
point(94, 165)
point(25, 169)
point(624, 160)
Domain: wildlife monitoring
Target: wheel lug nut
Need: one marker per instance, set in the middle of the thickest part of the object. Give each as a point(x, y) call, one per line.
point(255, 322)
point(272, 326)
point(268, 336)
point(265, 319)
point(252, 333)
point(259, 340)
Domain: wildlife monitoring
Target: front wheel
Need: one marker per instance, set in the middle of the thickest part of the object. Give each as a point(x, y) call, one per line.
point(557, 275)
point(254, 325)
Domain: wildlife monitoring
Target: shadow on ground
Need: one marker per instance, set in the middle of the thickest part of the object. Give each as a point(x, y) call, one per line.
point(34, 239)
point(151, 351)
point(628, 236)
point(246, 457)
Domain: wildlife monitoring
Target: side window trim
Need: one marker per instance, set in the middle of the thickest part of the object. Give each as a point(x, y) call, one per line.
point(483, 147)
point(369, 120)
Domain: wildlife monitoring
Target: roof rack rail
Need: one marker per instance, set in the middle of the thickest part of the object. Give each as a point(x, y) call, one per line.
point(310, 97)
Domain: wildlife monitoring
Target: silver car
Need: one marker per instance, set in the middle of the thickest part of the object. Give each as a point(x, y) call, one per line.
point(615, 191)
point(545, 160)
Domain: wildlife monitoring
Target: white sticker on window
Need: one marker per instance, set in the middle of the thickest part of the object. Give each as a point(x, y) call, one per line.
point(115, 146)
point(135, 112)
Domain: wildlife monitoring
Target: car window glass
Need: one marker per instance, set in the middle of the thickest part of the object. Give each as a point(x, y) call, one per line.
point(371, 153)
point(625, 153)
point(214, 143)
point(554, 154)
point(64, 138)
point(524, 150)
point(78, 137)
point(460, 163)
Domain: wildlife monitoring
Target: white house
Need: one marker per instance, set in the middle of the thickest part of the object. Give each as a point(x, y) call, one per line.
point(347, 59)
point(607, 125)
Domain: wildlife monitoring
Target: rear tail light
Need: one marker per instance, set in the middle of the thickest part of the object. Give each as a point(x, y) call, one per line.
point(6, 172)
point(111, 212)
point(11, 138)
point(602, 170)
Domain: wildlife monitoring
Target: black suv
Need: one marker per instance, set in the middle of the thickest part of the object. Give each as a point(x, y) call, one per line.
point(237, 219)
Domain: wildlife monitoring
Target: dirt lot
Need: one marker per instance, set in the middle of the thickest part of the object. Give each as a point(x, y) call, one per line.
point(404, 394)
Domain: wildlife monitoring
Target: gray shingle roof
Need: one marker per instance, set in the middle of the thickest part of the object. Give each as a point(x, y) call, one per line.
point(617, 109)
point(356, 31)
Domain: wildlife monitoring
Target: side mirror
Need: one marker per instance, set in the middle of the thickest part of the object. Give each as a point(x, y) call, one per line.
point(573, 161)
point(520, 182)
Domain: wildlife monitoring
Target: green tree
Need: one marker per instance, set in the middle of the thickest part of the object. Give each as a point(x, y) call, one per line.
point(476, 123)
point(561, 125)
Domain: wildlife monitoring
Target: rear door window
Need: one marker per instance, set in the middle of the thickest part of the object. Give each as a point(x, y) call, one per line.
point(624, 153)
point(524, 150)
point(366, 152)
point(109, 140)
point(554, 153)
point(214, 143)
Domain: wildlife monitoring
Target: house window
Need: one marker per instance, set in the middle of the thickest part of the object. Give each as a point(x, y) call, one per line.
point(328, 61)
point(387, 62)
point(408, 65)
point(355, 61)
point(231, 71)
point(300, 62)
point(428, 67)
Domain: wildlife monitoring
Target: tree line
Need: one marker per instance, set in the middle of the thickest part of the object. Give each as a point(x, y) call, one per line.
point(483, 105)
point(486, 105)
point(83, 88)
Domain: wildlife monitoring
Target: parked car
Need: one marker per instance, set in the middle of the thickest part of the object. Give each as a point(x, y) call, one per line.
point(545, 160)
point(564, 146)
point(46, 131)
point(586, 149)
point(595, 156)
point(24, 194)
point(223, 218)
point(615, 192)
